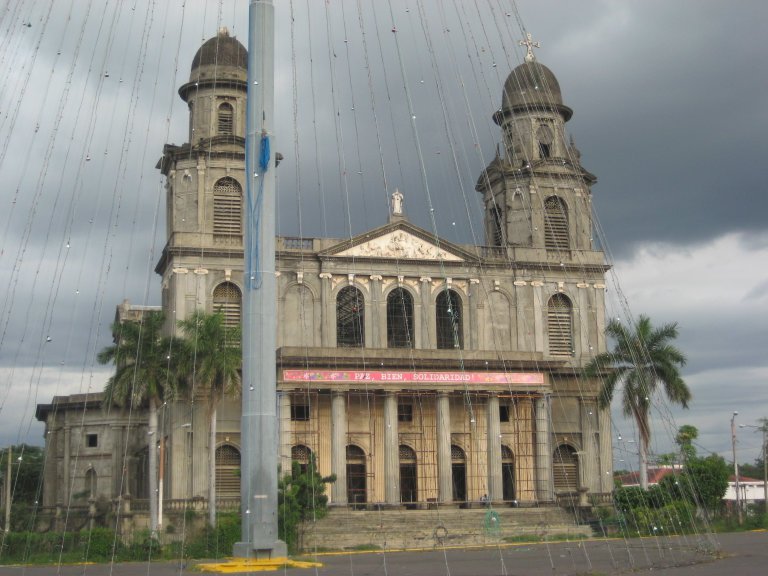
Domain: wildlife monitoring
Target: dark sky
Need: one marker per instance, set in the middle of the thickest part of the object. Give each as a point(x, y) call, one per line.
point(669, 114)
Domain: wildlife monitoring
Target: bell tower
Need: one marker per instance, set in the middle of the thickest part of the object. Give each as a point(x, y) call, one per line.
point(535, 192)
point(205, 183)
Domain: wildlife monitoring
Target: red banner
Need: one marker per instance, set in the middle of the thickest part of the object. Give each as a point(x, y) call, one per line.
point(362, 376)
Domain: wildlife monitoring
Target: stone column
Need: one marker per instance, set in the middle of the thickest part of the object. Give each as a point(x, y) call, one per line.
point(589, 451)
point(444, 471)
point(495, 482)
point(339, 447)
point(67, 470)
point(325, 310)
point(539, 315)
point(428, 328)
point(51, 464)
point(474, 296)
point(284, 431)
point(117, 461)
point(606, 452)
point(544, 487)
point(391, 450)
point(376, 317)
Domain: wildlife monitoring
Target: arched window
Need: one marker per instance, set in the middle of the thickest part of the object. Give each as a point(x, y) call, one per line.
point(399, 319)
point(356, 475)
point(450, 331)
point(227, 211)
point(302, 455)
point(228, 300)
point(227, 471)
point(560, 325)
point(408, 474)
point(350, 318)
point(497, 228)
point(90, 483)
point(507, 473)
point(546, 139)
point(226, 119)
point(565, 469)
point(556, 236)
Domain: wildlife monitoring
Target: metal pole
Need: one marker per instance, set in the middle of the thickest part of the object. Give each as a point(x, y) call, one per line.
point(765, 466)
point(259, 406)
point(735, 465)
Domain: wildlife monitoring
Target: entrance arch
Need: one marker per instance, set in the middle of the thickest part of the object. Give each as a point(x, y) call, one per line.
point(565, 469)
point(409, 490)
point(357, 493)
point(507, 474)
point(459, 473)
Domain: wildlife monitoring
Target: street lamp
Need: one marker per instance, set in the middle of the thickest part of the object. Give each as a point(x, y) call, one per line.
point(764, 430)
point(735, 464)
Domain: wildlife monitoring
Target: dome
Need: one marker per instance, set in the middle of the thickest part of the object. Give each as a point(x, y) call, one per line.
point(533, 86)
point(219, 53)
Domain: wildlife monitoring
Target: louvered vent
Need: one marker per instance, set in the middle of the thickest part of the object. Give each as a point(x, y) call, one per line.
point(556, 224)
point(227, 300)
point(227, 472)
point(227, 211)
point(559, 323)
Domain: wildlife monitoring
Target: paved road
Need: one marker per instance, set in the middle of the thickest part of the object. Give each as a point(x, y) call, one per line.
point(744, 554)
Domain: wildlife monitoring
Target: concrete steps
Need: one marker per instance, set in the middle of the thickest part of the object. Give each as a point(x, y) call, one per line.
point(345, 529)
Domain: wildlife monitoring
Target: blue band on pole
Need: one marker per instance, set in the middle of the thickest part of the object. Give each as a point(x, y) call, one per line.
point(253, 267)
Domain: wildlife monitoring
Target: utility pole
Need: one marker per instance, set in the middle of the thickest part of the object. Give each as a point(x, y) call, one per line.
point(735, 465)
point(258, 424)
point(764, 429)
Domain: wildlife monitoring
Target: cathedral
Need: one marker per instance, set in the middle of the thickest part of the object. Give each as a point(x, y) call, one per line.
point(419, 371)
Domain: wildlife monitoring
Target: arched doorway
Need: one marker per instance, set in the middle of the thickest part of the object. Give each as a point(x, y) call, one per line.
point(301, 455)
point(507, 474)
point(227, 472)
point(459, 473)
point(356, 476)
point(565, 469)
point(408, 477)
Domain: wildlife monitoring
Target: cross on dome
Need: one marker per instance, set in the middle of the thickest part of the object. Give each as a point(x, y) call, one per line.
point(530, 45)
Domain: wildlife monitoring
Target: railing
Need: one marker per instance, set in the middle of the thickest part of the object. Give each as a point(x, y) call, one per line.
point(291, 243)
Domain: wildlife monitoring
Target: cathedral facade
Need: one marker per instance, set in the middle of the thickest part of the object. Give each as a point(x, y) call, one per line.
point(416, 370)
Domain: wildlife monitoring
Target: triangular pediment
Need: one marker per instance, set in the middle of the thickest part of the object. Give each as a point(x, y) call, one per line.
point(400, 241)
point(401, 245)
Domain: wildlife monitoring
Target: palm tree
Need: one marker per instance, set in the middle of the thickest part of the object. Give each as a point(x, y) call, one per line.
point(214, 358)
point(641, 360)
point(144, 375)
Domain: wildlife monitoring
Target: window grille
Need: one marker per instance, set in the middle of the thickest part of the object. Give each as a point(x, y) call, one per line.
point(300, 408)
point(457, 454)
point(228, 300)
point(404, 410)
point(399, 319)
point(227, 471)
point(355, 455)
point(506, 455)
point(227, 210)
point(450, 333)
point(350, 318)
point(556, 236)
point(226, 119)
point(301, 454)
point(407, 454)
point(560, 326)
point(504, 412)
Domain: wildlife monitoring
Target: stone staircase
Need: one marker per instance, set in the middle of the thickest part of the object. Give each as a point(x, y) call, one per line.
point(344, 529)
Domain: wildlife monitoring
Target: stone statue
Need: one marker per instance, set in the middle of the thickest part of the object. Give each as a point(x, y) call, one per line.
point(397, 203)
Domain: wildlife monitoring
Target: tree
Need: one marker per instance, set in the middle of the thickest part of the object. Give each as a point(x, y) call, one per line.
point(641, 360)
point(300, 497)
point(213, 358)
point(703, 481)
point(145, 375)
point(684, 438)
